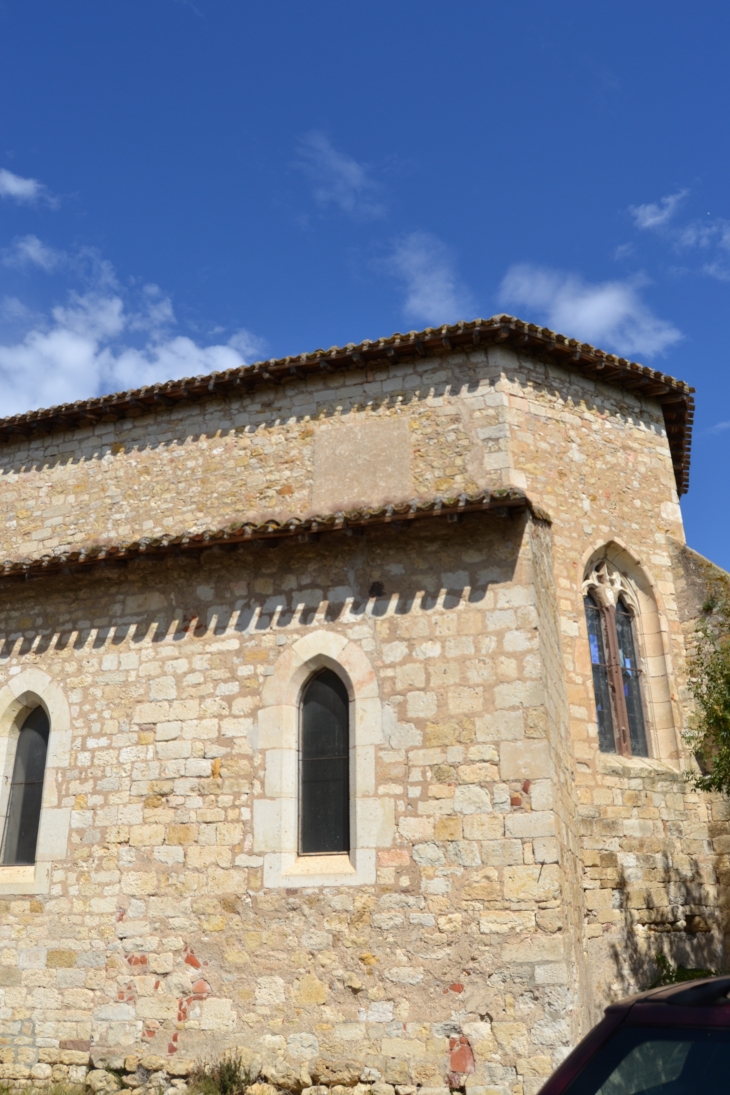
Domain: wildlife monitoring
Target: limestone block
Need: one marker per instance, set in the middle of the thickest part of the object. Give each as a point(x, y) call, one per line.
point(527, 759)
point(534, 824)
point(506, 921)
point(420, 704)
point(472, 799)
point(534, 948)
point(217, 1013)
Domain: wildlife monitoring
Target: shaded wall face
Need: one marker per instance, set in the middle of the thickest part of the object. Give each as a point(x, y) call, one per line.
point(597, 459)
point(158, 928)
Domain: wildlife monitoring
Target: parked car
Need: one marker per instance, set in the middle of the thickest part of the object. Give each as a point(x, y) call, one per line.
point(668, 1041)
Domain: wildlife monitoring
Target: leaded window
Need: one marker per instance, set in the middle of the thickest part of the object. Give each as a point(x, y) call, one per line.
point(324, 791)
point(26, 790)
point(617, 685)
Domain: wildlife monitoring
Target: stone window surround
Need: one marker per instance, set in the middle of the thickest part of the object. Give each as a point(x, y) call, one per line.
point(275, 815)
point(652, 638)
point(25, 691)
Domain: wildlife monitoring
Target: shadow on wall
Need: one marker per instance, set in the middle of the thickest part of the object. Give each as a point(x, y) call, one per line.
point(182, 424)
point(352, 596)
point(676, 917)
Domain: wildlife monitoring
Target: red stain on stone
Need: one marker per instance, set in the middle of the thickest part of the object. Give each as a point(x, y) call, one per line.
point(461, 1055)
point(171, 1047)
point(191, 960)
point(515, 800)
point(201, 986)
point(456, 987)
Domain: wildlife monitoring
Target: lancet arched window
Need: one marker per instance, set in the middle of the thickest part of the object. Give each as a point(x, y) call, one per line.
point(324, 784)
point(26, 790)
point(611, 611)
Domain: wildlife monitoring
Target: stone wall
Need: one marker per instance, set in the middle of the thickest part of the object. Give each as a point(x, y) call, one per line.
point(507, 877)
point(157, 929)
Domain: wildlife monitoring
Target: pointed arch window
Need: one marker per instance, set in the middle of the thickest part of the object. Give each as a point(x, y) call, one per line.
point(324, 783)
point(611, 620)
point(26, 791)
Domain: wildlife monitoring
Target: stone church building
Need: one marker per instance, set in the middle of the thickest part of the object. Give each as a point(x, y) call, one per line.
point(341, 713)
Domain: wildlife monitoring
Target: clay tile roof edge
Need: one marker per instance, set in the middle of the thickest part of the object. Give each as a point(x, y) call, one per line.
point(399, 514)
point(675, 396)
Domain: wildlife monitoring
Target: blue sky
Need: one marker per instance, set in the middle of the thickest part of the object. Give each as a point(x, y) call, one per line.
point(189, 184)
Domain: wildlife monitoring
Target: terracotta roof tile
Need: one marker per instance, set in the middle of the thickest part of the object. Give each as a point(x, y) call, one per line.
point(397, 513)
point(674, 396)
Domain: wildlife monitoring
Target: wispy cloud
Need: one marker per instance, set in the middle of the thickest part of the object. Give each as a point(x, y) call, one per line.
point(425, 267)
point(28, 251)
point(610, 314)
point(102, 338)
point(710, 234)
point(657, 214)
point(24, 191)
point(623, 251)
point(719, 427)
point(338, 180)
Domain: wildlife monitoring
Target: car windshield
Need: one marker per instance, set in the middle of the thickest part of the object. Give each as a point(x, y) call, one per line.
point(657, 1061)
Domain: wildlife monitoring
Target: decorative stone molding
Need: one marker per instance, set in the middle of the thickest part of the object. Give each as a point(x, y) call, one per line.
point(275, 814)
point(18, 698)
point(613, 571)
point(608, 585)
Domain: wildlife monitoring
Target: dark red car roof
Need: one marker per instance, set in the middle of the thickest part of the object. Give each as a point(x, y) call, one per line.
point(702, 1003)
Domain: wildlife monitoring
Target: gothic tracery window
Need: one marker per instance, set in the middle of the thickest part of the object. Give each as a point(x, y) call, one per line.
point(611, 612)
point(26, 791)
point(324, 784)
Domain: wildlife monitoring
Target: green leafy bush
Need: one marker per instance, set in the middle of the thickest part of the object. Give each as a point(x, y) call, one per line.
point(669, 974)
point(228, 1076)
point(709, 681)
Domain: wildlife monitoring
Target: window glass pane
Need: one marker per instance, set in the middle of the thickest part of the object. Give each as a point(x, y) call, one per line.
point(26, 790)
point(606, 739)
point(325, 790)
point(631, 680)
point(657, 1061)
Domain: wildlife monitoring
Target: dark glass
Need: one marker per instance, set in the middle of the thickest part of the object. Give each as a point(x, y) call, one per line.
point(604, 717)
point(26, 790)
point(639, 1060)
point(324, 824)
point(631, 680)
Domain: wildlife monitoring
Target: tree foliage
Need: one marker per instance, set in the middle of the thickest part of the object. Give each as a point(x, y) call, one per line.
point(709, 681)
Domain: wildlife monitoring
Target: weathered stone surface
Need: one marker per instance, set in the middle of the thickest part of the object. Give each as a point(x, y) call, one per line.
point(505, 865)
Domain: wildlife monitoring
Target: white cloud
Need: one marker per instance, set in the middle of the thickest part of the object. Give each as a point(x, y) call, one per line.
point(434, 294)
point(100, 340)
point(22, 190)
point(28, 251)
point(657, 214)
point(610, 314)
point(338, 179)
point(719, 427)
point(711, 234)
point(706, 234)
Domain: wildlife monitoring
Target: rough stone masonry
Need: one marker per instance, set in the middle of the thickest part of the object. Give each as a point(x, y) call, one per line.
point(419, 516)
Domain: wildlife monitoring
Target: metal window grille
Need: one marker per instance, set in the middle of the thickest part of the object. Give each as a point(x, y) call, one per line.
point(20, 834)
point(324, 782)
